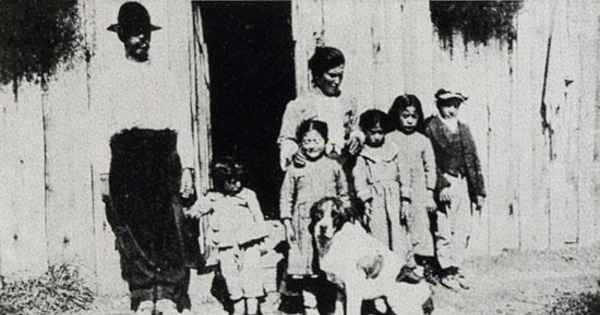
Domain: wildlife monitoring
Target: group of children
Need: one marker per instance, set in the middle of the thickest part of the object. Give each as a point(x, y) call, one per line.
point(412, 186)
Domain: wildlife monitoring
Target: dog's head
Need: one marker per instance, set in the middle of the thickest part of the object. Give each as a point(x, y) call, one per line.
point(327, 217)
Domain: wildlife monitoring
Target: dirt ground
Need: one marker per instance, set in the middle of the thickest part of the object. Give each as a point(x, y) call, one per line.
point(523, 283)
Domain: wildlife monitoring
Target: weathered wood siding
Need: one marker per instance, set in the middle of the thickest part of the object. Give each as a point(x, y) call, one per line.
point(541, 167)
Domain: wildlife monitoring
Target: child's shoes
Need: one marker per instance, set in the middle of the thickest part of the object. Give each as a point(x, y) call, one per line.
point(166, 307)
point(291, 304)
point(145, 308)
point(380, 305)
point(450, 282)
point(462, 281)
point(408, 275)
point(431, 275)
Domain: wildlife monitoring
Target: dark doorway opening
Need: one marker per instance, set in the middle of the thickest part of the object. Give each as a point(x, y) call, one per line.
point(251, 61)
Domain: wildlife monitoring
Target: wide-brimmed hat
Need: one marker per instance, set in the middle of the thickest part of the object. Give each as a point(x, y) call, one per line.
point(132, 16)
point(444, 95)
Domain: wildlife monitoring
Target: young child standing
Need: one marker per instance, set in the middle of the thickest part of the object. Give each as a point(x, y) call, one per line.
point(319, 177)
point(459, 185)
point(238, 230)
point(382, 184)
point(415, 149)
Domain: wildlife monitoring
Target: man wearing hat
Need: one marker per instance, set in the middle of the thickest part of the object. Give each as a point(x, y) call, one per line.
point(146, 146)
point(134, 30)
point(460, 185)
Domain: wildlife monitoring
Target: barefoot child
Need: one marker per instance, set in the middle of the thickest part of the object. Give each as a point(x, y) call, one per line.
point(238, 230)
point(302, 187)
point(415, 149)
point(459, 185)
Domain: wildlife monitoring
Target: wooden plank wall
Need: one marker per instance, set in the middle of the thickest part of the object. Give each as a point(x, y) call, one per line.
point(542, 189)
point(22, 198)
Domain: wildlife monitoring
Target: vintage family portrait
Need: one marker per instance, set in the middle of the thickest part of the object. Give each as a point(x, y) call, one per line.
point(357, 157)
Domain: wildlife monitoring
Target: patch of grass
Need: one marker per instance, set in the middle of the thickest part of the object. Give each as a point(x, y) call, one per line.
point(587, 303)
point(60, 290)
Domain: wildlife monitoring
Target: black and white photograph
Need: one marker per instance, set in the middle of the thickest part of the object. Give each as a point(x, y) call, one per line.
point(300, 157)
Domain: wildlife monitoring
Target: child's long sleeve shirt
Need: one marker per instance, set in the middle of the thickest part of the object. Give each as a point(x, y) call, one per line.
point(456, 155)
point(235, 220)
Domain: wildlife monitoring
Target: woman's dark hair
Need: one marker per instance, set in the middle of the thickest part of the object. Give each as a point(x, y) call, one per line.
point(403, 102)
point(308, 125)
point(323, 59)
point(374, 117)
point(225, 168)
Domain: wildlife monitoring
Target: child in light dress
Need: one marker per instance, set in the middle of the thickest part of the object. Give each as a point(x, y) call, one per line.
point(415, 149)
point(382, 181)
point(238, 230)
point(319, 177)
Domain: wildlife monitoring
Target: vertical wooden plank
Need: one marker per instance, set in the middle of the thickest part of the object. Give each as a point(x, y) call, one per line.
point(182, 61)
point(419, 41)
point(381, 68)
point(355, 40)
point(22, 196)
point(503, 222)
point(69, 205)
point(201, 115)
point(392, 71)
point(533, 24)
point(68, 191)
point(542, 173)
point(201, 99)
point(571, 123)
point(524, 146)
point(589, 39)
point(559, 120)
point(307, 29)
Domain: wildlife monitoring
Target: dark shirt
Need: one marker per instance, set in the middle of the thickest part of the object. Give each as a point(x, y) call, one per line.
point(455, 154)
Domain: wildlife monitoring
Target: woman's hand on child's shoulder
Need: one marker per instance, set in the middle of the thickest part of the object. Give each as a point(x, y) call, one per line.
point(445, 195)
point(354, 145)
point(299, 159)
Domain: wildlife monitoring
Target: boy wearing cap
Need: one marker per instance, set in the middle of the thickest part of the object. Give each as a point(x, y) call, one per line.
point(460, 185)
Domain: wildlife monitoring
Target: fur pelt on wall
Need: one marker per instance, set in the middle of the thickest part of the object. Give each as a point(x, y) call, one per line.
point(145, 176)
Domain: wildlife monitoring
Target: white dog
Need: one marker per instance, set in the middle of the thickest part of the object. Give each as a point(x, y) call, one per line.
point(361, 266)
